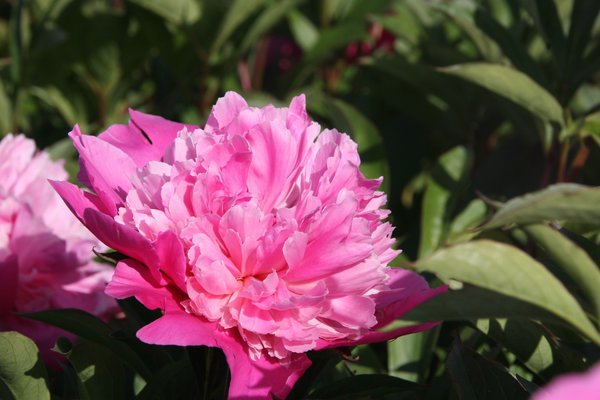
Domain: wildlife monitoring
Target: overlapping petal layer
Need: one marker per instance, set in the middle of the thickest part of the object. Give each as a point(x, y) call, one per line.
point(256, 234)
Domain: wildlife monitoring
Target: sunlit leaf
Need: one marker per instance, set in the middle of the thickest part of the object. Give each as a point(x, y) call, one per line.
point(512, 84)
point(22, 372)
point(509, 271)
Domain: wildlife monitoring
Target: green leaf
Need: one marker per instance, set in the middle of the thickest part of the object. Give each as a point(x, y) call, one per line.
point(562, 202)
point(304, 31)
point(571, 259)
point(409, 356)
point(441, 193)
point(238, 12)
point(583, 18)
point(57, 100)
point(487, 47)
point(475, 377)
point(509, 271)
point(366, 386)
point(91, 328)
point(22, 372)
point(547, 20)
point(179, 373)
point(525, 339)
point(348, 119)
point(510, 46)
point(471, 303)
point(463, 226)
point(176, 11)
point(5, 111)
point(512, 84)
point(265, 21)
point(100, 372)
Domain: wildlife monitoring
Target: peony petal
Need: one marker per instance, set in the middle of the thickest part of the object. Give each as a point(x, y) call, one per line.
point(160, 131)
point(262, 378)
point(375, 337)
point(407, 291)
point(171, 257)
point(106, 169)
point(117, 236)
point(250, 379)
point(227, 108)
point(132, 279)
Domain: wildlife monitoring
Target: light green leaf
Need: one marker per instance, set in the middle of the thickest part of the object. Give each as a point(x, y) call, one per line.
point(440, 195)
point(22, 372)
point(409, 356)
point(265, 21)
point(5, 111)
point(512, 84)
point(304, 31)
point(571, 259)
point(463, 226)
point(562, 202)
point(237, 14)
point(509, 271)
point(175, 11)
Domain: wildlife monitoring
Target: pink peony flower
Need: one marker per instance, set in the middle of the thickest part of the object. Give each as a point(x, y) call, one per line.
point(45, 253)
point(582, 386)
point(257, 234)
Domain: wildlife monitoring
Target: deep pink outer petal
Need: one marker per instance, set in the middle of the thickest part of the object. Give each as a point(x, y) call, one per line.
point(9, 270)
point(119, 237)
point(145, 138)
point(104, 168)
point(132, 279)
point(250, 379)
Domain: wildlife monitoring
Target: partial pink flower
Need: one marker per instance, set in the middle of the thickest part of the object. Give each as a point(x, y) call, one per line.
point(580, 386)
point(256, 234)
point(45, 253)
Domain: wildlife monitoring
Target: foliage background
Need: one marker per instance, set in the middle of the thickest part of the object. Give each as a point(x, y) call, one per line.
point(462, 105)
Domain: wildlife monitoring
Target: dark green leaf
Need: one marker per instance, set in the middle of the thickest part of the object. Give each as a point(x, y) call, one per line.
point(100, 372)
point(475, 377)
point(91, 328)
point(366, 386)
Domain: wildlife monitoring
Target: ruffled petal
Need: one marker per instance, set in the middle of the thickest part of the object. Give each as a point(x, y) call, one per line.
point(171, 257)
point(103, 168)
